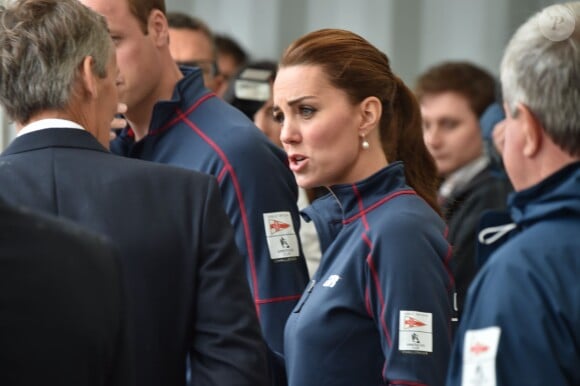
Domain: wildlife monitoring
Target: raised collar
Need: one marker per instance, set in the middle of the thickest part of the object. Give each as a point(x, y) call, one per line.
point(186, 93)
point(358, 199)
point(556, 195)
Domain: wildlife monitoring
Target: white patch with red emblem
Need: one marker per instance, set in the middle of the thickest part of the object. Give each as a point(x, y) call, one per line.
point(415, 332)
point(479, 353)
point(282, 240)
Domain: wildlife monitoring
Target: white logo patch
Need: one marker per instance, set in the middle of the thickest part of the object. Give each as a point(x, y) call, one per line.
point(479, 352)
point(331, 281)
point(416, 331)
point(282, 240)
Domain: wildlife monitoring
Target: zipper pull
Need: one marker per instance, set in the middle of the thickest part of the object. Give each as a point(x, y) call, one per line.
point(305, 295)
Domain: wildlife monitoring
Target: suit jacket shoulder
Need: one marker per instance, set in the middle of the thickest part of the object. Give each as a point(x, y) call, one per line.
point(62, 304)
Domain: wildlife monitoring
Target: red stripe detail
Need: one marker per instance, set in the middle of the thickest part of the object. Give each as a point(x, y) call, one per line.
point(447, 261)
point(130, 133)
point(384, 373)
point(238, 190)
point(221, 174)
point(379, 291)
point(182, 116)
point(378, 203)
point(361, 207)
point(408, 383)
point(368, 303)
point(279, 299)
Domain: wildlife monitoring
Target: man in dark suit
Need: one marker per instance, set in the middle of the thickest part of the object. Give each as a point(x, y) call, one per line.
point(186, 287)
point(61, 305)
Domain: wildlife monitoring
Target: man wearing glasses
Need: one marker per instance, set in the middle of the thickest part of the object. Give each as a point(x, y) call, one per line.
point(191, 43)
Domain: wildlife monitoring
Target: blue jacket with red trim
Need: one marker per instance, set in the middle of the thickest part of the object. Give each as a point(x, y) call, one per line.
point(326, 215)
point(521, 324)
point(197, 130)
point(378, 310)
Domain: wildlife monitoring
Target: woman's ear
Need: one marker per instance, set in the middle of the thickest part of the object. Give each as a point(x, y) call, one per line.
point(371, 110)
point(533, 131)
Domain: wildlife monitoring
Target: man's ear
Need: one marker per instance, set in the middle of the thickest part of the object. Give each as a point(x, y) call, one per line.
point(87, 77)
point(158, 28)
point(533, 130)
point(371, 110)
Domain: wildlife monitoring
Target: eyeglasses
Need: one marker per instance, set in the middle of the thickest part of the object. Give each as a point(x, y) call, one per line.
point(208, 67)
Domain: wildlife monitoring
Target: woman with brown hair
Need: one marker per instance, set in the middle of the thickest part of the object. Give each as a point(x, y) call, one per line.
point(378, 309)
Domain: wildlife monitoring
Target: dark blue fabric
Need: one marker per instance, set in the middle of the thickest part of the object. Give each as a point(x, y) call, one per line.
point(198, 131)
point(491, 117)
point(387, 258)
point(530, 289)
point(326, 215)
point(185, 287)
point(62, 306)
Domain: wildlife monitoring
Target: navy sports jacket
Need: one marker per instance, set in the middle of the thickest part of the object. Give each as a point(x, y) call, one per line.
point(378, 309)
point(521, 324)
point(199, 131)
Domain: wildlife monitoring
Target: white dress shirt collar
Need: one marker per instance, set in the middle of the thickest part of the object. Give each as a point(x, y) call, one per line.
point(49, 123)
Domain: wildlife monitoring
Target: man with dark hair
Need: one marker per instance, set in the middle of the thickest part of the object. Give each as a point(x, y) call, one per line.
point(230, 58)
point(453, 96)
point(191, 43)
point(187, 294)
point(173, 119)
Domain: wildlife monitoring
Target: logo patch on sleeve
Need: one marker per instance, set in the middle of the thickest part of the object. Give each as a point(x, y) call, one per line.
point(415, 332)
point(281, 236)
point(479, 352)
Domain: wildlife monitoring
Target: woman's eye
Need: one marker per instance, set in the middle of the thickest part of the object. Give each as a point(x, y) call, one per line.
point(450, 124)
point(307, 111)
point(278, 117)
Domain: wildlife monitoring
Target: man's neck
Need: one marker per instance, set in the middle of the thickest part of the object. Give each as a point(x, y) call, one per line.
point(139, 117)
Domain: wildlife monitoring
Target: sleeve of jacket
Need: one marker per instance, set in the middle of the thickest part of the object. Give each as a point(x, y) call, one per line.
point(408, 296)
point(260, 197)
point(520, 324)
point(227, 342)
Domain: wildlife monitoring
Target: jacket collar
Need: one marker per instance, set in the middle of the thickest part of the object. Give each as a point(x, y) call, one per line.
point(556, 195)
point(364, 196)
point(54, 137)
point(186, 92)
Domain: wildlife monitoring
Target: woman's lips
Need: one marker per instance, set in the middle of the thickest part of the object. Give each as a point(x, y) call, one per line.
point(297, 162)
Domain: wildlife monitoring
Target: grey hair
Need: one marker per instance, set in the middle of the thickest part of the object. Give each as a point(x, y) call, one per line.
point(42, 45)
point(542, 72)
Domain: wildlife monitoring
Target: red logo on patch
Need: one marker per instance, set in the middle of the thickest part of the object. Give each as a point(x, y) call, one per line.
point(277, 226)
point(478, 348)
point(412, 322)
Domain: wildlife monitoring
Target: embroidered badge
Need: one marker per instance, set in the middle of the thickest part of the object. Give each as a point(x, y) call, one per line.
point(282, 240)
point(415, 332)
point(479, 353)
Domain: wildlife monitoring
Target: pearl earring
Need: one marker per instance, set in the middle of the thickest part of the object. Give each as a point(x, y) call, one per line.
point(365, 144)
